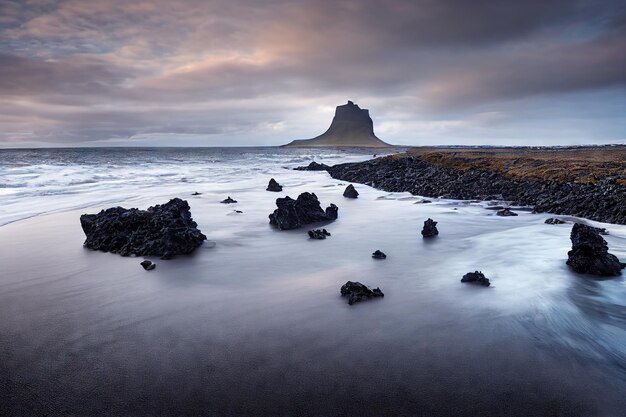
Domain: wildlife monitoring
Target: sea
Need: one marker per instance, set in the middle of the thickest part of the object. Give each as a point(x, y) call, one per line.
point(253, 323)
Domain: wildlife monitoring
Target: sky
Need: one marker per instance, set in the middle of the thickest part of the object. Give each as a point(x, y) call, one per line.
point(265, 72)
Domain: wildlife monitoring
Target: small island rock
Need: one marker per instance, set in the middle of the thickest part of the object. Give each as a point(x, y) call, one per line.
point(351, 192)
point(430, 228)
point(355, 291)
point(379, 255)
point(506, 212)
point(274, 186)
point(590, 253)
point(476, 277)
point(292, 214)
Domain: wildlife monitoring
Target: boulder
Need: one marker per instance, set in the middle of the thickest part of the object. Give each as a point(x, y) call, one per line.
point(554, 220)
point(196, 193)
point(228, 201)
point(318, 234)
point(163, 230)
point(476, 277)
point(350, 192)
point(590, 253)
point(379, 255)
point(148, 265)
point(355, 291)
point(306, 209)
point(274, 186)
point(313, 166)
point(506, 212)
point(430, 228)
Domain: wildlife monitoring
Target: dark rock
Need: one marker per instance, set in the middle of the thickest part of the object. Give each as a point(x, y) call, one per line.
point(306, 209)
point(318, 234)
point(196, 193)
point(600, 230)
point(274, 186)
point(506, 212)
point(228, 201)
point(554, 220)
point(238, 211)
point(350, 192)
point(476, 277)
point(378, 255)
point(148, 265)
point(423, 201)
point(313, 166)
point(355, 291)
point(590, 253)
point(430, 228)
point(164, 230)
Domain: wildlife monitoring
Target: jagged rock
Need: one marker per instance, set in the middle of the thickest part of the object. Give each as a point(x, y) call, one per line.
point(228, 201)
point(590, 253)
point(600, 230)
point(313, 166)
point(351, 126)
point(476, 277)
point(148, 265)
point(306, 209)
point(318, 234)
point(430, 228)
point(506, 212)
point(378, 255)
point(554, 220)
point(355, 291)
point(351, 192)
point(274, 186)
point(163, 230)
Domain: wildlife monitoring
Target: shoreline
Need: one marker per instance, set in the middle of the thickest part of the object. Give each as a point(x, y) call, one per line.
point(581, 182)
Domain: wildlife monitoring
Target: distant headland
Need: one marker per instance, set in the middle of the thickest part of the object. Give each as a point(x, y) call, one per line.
point(351, 127)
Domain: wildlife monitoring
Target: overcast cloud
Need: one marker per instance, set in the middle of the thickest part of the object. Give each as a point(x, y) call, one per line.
point(252, 72)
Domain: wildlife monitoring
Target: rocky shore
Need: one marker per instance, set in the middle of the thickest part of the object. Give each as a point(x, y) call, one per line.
point(560, 181)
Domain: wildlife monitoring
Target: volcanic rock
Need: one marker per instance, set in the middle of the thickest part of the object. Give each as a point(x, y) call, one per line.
point(378, 255)
point(350, 192)
point(506, 212)
point(430, 228)
point(274, 186)
point(292, 214)
point(313, 166)
point(148, 265)
point(196, 193)
point(228, 201)
point(554, 220)
point(590, 253)
point(318, 234)
point(351, 127)
point(476, 277)
point(355, 291)
point(163, 230)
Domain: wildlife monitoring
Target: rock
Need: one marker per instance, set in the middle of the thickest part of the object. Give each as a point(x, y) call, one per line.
point(590, 253)
point(476, 277)
point(306, 209)
point(379, 255)
point(228, 201)
point(196, 193)
point(554, 220)
point(430, 228)
point(506, 212)
point(355, 291)
point(148, 265)
point(318, 234)
point(238, 211)
point(313, 166)
point(164, 230)
point(351, 192)
point(423, 201)
point(274, 186)
point(600, 230)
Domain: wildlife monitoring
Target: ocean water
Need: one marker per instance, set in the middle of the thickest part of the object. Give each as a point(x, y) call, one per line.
point(253, 324)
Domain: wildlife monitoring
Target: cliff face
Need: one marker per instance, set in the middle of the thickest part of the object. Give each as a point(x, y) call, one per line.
point(351, 127)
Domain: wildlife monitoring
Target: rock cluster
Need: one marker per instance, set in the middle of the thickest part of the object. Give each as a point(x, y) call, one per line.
point(306, 209)
point(163, 230)
point(590, 253)
point(318, 234)
point(313, 166)
point(355, 291)
point(554, 220)
point(476, 277)
point(351, 192)
point(506, 212)
point(379, 255)
point(228, 201)
point(430, 228)
point(602, 200)
point(274, 186)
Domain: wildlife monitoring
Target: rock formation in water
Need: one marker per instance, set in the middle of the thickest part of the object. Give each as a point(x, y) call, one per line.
point(379, 255)
point(274, 186)
point(292, 214)
point(163, 230)
point(313, 166)
point(228, 201)
point(430, 228)
point(476, 277)
point(506, 212)
point(590, 253)
point(318, 234)
point(554, 220)
point(355, 291)
point(350, 192)
point(147, 265)
point(351, 127)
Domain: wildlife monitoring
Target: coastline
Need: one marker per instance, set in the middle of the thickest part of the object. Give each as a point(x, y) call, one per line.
point(582, 182)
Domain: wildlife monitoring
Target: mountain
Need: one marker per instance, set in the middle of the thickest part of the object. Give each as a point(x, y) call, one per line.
point(351, 127)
